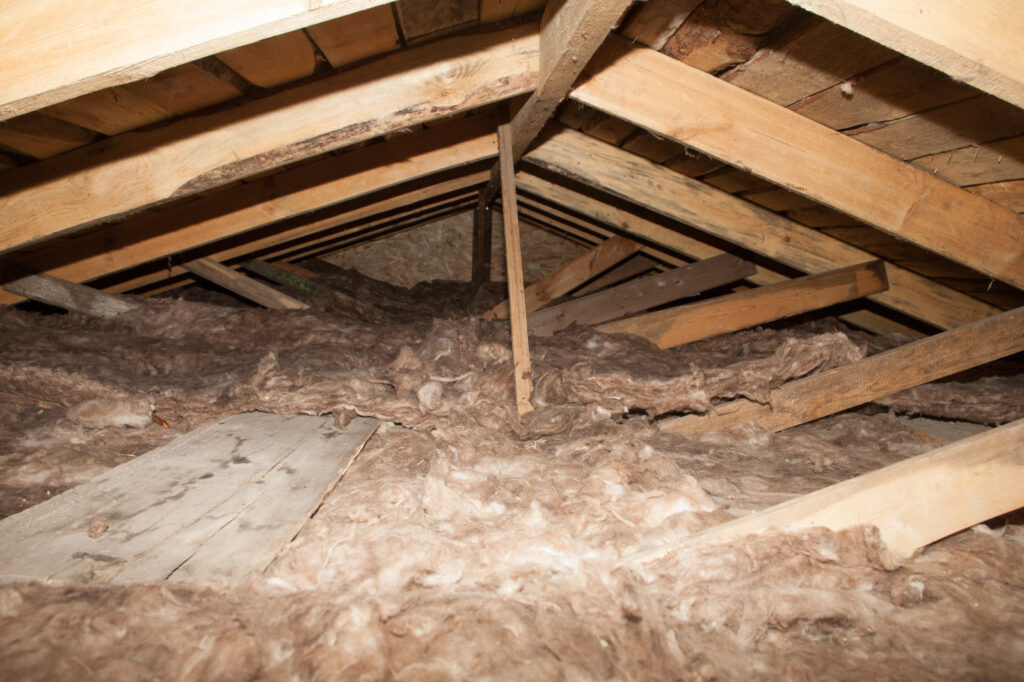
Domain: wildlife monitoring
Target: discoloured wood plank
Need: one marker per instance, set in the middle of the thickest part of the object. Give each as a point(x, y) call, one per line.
point(282, 276)
point(244, 286)
point(564, 280)
point(496, 10)
point(642, 294)
point(976, 164)
point(912, 503)
point(684, 324)
point(657, 20)
point(200, 153)
point(820, 395)
point(421, 18)
point(70, 296)
point(805, 157)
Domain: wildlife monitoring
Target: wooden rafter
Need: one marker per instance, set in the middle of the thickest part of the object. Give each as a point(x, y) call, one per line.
point(570, 33)
point(196, 154)
point(974, 41)
point(757, 135)
point(286, 195)
point(57, 50)
point(692, 202)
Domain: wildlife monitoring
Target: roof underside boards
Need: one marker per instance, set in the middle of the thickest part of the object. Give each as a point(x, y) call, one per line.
point(308, 135)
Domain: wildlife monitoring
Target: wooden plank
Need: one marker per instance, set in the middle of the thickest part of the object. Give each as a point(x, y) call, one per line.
point(273, 61)
point(70, 296)
point(1009, 194)
point(975, 41)
point(641, 294)
point(497, 10)
point(296, 269)
point(111, 111)
point(288, 194)
point(483, 220)
point(41, 136)
point(101, 43)
point(282, 276)
point(422, 18)
point(197, 154)
point(244, 286)
point(657, 20)
point(357, 36)
point(912, 503)
point(638, 264)
point(688, 323)
point(514, 271)
point(820, 395)
point(572, 275)
point(186, 503)
point(977, 164)
point(691, 202)
point(805, 157)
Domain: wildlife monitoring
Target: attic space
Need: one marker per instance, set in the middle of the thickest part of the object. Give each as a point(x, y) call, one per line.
point(511, 340)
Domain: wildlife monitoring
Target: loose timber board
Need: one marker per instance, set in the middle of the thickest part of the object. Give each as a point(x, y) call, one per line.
point(218, 503)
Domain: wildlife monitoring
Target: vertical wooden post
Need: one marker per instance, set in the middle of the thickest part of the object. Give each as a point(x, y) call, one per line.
point(482, 241)
point(514, 268)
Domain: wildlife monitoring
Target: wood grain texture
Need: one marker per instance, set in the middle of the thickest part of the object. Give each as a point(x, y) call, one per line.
point(100, 43)
point(820, 395)
point(246, 287)
point(912, 503)
point(139, 169)
point(70, 296)
point(796, 153)
point(657, 20)
point(685, 324)
point(641, 294)
point(273, 61)
point(514, 270)
point(357, 36)
point(236, 490)
point(285, 195)
point(573, 274)
point(693, 203)
point(975, 41)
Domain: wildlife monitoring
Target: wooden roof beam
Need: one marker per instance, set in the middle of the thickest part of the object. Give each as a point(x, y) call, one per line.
point(132, 171)
point(570, 33)
point(57, 50)
point(774, 143)
point(630, 177)
point(974, 41)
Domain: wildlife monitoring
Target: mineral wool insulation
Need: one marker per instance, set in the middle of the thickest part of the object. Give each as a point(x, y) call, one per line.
point(467, 544)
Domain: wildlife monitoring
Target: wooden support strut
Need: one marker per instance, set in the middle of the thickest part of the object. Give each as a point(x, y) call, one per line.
point(641, 294)
point(483, 222)
point(820, 395)
point(244, 286)
point(688, 323)
point(514, 268)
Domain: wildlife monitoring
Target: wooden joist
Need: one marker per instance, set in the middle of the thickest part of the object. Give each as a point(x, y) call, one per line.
point(567, 278)
point(912, 503)
point(281, 275)
point(684, 324)
point(820, 395)
point(692, 202)
point(57, 50)
point(514, 269)
point(288, 194)
point(641, 294)
point(976, 41)
point(570, 33)
point(246, 287)
point(140, 169)
point(772, 142)
point(70, 296)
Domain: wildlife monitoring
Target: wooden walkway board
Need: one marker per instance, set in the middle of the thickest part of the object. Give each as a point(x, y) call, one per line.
point(218, 503)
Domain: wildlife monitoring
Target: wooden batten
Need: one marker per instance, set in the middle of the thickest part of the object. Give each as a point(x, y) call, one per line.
point(685, 324)
point(246, 287)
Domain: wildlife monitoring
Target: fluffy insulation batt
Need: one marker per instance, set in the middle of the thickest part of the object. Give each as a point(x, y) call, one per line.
point(465, 543)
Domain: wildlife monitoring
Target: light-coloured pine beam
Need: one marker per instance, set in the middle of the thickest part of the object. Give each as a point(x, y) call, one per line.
point(694, 249)
point(70, 296)
point(820, 395)
point(286, 195)
point(136, 170)
point(641, 294)
point(246, 287)
point(514, 270)
point(570, 276)
point(691, 202)
point(779, 145)
point(974, 41)
point(685, 324)
point(55, 50)
point(912, 503)
point(570, 33)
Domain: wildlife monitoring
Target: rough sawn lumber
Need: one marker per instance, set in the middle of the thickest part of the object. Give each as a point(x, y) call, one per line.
point(232, 280)
point(69, 295)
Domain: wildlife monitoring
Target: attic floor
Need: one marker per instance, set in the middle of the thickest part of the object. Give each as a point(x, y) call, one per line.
point(464, 543)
